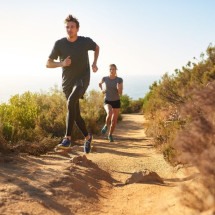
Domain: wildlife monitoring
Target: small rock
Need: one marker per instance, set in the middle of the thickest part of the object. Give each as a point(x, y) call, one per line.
point(76, 159)
point(93, 189)
point(80, 160)
point(48, 193)
point(179, 166)
point(145, 176)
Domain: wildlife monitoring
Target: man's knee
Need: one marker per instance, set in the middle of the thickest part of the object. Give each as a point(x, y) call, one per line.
point(71, 101)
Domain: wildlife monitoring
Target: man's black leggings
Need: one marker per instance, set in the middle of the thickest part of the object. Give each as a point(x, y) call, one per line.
point(73, 114)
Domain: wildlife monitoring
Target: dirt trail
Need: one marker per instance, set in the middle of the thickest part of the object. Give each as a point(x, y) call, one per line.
point(71, 183)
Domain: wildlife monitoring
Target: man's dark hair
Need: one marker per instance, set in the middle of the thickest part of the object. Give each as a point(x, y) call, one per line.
point(71, 18)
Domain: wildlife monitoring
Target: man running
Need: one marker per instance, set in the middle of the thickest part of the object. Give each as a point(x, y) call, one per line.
point(72, 52)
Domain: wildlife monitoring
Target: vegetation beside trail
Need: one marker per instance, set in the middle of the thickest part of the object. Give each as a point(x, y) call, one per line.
point(180, 110)
point(34, 123)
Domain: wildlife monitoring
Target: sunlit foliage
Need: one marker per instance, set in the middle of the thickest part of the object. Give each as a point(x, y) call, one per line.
point(180, 108)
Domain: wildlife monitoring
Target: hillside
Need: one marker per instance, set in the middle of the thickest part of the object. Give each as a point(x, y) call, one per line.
point(106, 181)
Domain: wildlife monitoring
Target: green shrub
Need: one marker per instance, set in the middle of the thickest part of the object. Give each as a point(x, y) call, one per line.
point(125, 104)
point(92, 110)
point(162, 104)
point(34, 116)
point(137, 105)
point(19, 116)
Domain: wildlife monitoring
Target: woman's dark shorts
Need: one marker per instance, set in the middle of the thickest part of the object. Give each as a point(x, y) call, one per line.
point(113, 104)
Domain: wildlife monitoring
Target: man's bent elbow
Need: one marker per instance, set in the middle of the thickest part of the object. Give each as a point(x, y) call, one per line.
point(48, 64)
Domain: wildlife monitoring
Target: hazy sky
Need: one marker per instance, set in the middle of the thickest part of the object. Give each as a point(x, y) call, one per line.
point(142, 37)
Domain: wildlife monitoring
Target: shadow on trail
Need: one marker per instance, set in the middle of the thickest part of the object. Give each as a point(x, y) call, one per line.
point(132, 139)
point(122, 148)
point(153, 181)
point(166, 182)
point(128, 125)
point(114, 148)
point(38, 195)
point(193, 176)
point(47, 186)
point(118, 137)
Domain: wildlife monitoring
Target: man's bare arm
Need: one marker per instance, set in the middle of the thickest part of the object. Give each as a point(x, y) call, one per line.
point(54, 64)
point(96, 55)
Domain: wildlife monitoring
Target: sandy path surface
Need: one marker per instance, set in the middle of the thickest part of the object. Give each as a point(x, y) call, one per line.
point(71, 182)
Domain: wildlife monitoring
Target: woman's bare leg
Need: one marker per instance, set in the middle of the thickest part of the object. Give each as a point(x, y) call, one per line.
point(115, 114)
point(109, 111)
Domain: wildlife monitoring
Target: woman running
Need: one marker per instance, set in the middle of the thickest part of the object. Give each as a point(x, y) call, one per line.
point(113, 90)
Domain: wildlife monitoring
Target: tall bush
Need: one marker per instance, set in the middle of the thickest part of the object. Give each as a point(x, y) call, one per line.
point(180, 109)
point(35, 116)
point(196, 143)
point(162, 103)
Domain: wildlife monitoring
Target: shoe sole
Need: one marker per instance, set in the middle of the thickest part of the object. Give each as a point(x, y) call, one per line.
point(63, 147)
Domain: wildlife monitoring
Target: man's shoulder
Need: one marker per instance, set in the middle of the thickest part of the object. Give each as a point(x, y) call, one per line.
point(86, 39)
point(83, 38)
point(62, 40)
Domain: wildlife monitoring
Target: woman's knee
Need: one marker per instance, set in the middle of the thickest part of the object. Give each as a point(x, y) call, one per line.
point(109, 114)
point(114, 118)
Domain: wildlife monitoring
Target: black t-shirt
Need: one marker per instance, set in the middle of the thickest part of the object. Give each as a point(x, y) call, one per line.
point(78, 52)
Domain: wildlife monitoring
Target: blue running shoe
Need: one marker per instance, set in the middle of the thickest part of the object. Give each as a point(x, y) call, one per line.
point(66, 143)
point(110, 138)
point(104, 129)
point(87, 144)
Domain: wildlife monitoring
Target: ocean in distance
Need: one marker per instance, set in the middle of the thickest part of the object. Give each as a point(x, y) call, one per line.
point(134, 86)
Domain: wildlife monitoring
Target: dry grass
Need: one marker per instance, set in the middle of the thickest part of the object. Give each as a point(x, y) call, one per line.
point(35, 148)
point(196, 144)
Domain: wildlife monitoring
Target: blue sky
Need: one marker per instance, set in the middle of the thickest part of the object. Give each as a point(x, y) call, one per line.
point(142, 38)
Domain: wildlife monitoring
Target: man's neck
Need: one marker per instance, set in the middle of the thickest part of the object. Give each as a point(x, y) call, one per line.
point(72, 39)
